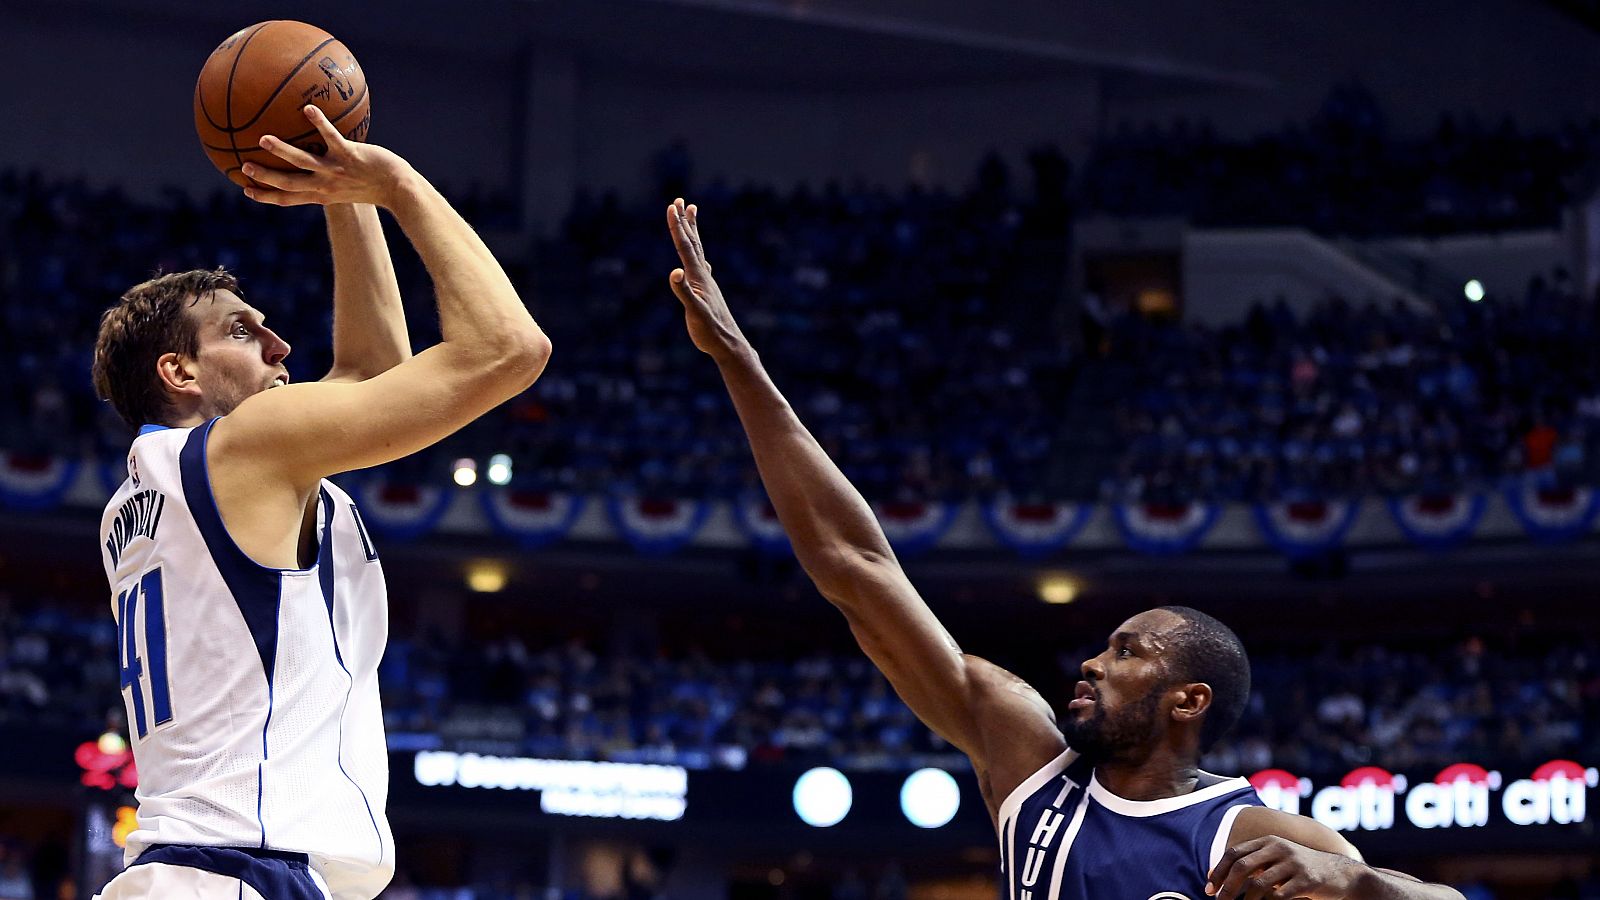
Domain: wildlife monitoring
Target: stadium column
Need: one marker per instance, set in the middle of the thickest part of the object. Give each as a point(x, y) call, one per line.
point(544, 161)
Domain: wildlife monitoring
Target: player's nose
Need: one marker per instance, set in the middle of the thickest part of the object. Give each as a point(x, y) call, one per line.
point(1092, 669)
point(277, 350)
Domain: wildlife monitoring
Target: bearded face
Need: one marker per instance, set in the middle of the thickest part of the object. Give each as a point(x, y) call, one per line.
point(1105, 733)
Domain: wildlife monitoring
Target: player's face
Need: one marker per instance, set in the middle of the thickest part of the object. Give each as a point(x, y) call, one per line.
point(1117, 712)
point(239, 355)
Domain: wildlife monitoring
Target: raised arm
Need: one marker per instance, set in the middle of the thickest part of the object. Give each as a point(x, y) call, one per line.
point(491, 348)
point(989, 714)
point(369, 322)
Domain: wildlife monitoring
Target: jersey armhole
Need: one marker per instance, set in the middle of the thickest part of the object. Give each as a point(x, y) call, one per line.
point(1219, 842)
point(1013, 801)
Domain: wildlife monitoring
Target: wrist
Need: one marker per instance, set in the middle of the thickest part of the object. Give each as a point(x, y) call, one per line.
point(1363, 881)
point(405, 190)
point(737, 355)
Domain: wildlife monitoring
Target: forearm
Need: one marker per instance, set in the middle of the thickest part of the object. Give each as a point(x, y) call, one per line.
point(479, 310)
point(1383, 884)
point(369, 325)
point(829, 524)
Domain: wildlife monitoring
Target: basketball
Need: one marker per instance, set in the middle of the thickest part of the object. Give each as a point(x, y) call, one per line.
point(258, 81)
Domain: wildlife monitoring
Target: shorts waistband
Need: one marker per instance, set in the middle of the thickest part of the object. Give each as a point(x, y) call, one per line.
point(261, 853)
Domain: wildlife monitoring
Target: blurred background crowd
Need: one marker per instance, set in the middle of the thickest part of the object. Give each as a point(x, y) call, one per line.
point(916, 331)
point(1321, 709)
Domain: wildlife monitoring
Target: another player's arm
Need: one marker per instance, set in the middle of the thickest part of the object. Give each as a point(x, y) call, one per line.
point(491, 349)
point(369, 322)
point(1275, 855)
point(843, 549)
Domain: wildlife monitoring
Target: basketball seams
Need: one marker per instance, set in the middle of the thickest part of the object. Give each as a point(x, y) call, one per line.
point(200, 84)
point(221, 140)
point(282, 84)
point(228, 103)
point(334, 120)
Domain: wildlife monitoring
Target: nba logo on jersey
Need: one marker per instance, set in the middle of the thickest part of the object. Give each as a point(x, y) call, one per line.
point(1064, 836)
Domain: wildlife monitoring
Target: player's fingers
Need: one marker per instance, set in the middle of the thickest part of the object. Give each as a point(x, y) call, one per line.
point(275, 197)
point(1263, 885)
point(318, 119)
point(1225, 864)
point(283, 181)
point(679, 229)
point(680, 287)
point(289, 153)
point(1234, 886)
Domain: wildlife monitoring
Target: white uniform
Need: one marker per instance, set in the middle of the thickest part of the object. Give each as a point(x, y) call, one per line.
point(252, 692)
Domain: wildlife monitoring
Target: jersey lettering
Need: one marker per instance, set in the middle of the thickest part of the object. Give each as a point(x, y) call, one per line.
point(134, 675)
point(138, 516)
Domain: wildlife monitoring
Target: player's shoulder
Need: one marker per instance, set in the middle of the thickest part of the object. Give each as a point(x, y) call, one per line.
point(1017, 728)
point(1256, 822)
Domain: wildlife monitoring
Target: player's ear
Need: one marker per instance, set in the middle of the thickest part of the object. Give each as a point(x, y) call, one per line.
point(1193, 701)
point(177, 373)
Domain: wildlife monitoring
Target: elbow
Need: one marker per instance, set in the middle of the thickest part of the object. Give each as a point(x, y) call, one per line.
point(521, 358)
point(846, 576)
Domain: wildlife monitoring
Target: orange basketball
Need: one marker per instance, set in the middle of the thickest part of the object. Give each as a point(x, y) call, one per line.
point(259, 80)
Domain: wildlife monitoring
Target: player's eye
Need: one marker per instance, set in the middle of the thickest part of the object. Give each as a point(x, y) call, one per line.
point(1124, 652)
point(239, 330)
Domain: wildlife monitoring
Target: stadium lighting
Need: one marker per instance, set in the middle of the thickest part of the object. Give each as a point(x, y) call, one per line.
point(1473, 290)
point(930, 798)
point(1057, 589)
point(499, 469)
point(465, 472)
point(822, 797)
point(487, 576)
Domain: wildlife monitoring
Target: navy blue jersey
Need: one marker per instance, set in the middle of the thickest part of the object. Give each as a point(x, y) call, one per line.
point(1065, 837)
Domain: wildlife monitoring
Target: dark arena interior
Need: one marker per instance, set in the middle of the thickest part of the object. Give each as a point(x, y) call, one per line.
point(1283, 312)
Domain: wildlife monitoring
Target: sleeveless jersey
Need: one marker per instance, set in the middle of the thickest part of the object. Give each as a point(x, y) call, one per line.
point(251, 692)
point(1063, 836)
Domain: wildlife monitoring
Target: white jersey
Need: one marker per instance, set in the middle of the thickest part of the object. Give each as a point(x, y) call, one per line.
point(252, 692)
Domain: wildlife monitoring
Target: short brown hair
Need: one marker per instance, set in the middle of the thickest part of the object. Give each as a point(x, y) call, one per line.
point(147, 322)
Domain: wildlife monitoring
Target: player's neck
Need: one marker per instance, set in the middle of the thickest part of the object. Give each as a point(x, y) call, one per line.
point(1156, 777)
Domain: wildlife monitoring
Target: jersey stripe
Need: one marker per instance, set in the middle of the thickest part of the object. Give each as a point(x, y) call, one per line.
point(325, 577)
point(1066, 846)
point(255, 588)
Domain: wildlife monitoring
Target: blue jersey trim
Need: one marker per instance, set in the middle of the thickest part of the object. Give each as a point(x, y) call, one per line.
point(151, 429)
point(274, 874)
point(255, 588)
point(325, 576)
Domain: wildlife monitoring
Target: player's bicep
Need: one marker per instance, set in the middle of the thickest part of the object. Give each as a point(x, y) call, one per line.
point(308, 431)
point(1260, 821)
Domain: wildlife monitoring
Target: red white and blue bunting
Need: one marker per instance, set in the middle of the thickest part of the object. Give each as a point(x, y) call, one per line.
point(1438, 521)
point(1306, 527)
point(914, 527)
point(759, 522)
point(1552, 514)
point(1165, 529)
point(1035, 530)
point(533, 519)
point(656, 526)
point(400, 511)
point(35, 481)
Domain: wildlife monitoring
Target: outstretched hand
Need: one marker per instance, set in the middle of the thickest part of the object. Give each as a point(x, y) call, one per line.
point(711, 324)
point(349, 172)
